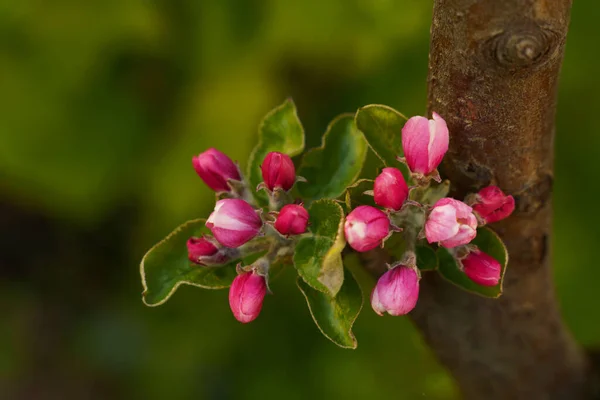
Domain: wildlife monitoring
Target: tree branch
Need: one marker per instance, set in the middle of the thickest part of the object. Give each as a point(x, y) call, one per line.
point(493, 73)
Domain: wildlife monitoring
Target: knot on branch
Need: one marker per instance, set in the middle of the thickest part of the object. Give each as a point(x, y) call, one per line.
point(535, 196)
point(522, 47)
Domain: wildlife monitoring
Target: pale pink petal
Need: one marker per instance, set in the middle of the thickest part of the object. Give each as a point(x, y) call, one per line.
point(465, 235)
point(462, 210)
point(375, 303)
point(471, 221)
point(441, 224)
point(438, 143)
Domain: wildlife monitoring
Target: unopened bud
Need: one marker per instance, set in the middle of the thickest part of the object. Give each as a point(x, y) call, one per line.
point(451, 222)
point(366, 227)
point(234, 222)
point(246, 296)
point(493, 205)
point(215, 169)
point(292, 220)
point(206, 251)
point(482, 268)
point(278, 171)
point(396, 291)
point(425, 142)
point(390, 189)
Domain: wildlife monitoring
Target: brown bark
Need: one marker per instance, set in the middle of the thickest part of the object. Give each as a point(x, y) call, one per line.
point(493, 73)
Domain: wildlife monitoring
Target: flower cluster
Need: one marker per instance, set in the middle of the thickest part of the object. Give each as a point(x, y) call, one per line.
point(447, 222)
point(264, 221)
point(237, 225)
point(411, 206)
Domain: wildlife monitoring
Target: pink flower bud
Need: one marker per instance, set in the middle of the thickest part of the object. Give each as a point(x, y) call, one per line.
point(278, 171)
point(292, 220)
point(390, 189)
point(366, 227)
point(481, 268)
point(246, 296)
point(424, 142)
point(396, 291)
point(205, 251)
point(215, 168)
point(451, 223)
point(234, 222)
point(493, 205)
point(200, 247)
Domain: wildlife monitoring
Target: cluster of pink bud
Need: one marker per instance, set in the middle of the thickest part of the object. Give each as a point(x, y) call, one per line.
point(234, 222)
point(424, 143)
point(367, 227)
point(449, 222)
point(452, 223)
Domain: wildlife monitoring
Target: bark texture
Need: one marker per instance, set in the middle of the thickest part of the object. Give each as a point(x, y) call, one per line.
point(493, 73)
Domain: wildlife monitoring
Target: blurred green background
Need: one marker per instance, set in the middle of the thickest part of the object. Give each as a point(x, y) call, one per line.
point(103, 104)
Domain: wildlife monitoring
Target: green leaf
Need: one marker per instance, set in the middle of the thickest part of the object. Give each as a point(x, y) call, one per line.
point(355, 196)
point(334, 166)
point(426, 258)
point(318, 257)
point(396, 247)
point(326, 218)
point(382, 127)
point(166, 266)
point(335, 316)
point(280, 131)
point(488, 242)
point(431, 194)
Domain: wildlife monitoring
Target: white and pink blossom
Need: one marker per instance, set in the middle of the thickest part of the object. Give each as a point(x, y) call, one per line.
point(451, 223)
point(234, 222)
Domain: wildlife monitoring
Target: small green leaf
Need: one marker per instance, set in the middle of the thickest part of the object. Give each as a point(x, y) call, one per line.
point(431, 194)
point(280, 131)
point(489, 243)
point(382, 127)
point(426, 258)
point(166, 266)
point(318, 257)
point(335, 316)
point(355, 196)
point(326, 218)
point(334, 166)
